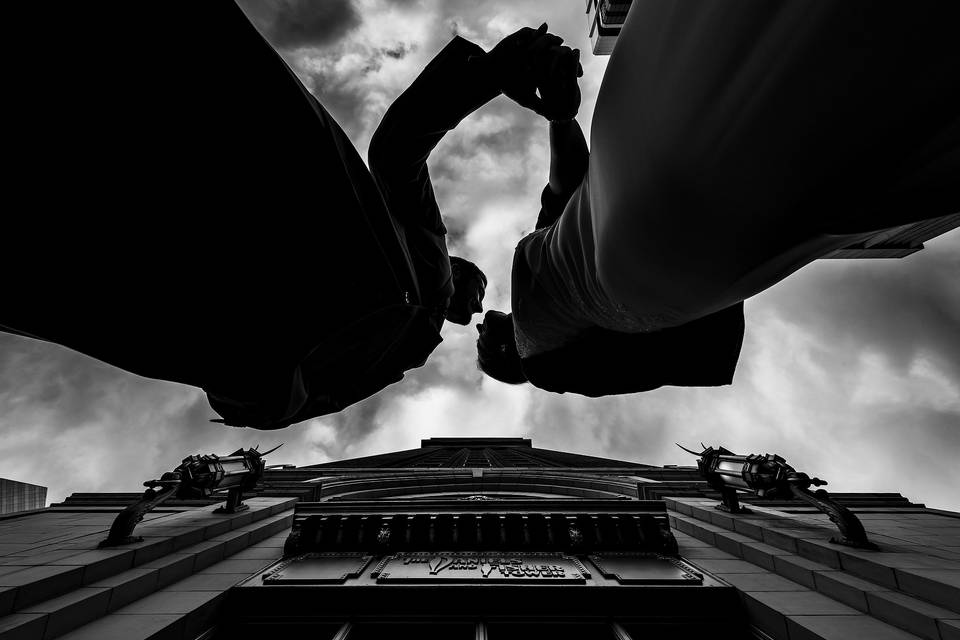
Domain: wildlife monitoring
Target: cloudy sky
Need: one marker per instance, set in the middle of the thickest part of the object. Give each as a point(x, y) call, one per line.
point(850, 369)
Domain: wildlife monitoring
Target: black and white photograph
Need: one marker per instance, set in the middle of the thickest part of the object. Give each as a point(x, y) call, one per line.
point(487, 320)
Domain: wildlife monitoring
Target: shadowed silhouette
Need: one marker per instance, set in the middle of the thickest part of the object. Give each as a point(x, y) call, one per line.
point(730, 146)
point(192, 213)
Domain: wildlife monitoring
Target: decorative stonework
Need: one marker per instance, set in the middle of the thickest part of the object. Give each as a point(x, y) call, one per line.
point(481, 567)
point(645, 568)
point(318, 568)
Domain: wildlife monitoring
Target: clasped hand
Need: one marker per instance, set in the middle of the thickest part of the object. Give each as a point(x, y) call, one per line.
point(532, 61)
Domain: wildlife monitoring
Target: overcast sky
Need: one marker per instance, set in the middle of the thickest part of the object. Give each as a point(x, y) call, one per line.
point(849, 369)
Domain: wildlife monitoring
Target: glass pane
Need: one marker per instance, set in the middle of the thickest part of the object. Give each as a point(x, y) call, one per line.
point(314, 631)
point(682, 630)
point(420, 631)
point(551, 630)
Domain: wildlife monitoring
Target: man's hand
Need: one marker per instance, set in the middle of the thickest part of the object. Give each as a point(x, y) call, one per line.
point(469, 284)
point(517, 61)
point(533, 59)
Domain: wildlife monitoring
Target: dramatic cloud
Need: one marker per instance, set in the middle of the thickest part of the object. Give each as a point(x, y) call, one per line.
point(850, 369)
point(293, 24)
point(901, 309)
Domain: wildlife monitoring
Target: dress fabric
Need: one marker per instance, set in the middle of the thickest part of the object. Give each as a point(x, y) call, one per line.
point(730, 146)
point(556, 294)
point(571, 340)
point(734, 143)
point(188, 211)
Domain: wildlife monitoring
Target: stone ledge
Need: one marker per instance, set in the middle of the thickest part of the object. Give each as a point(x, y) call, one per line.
point(847, 589)
point(6, 599)
point(897, 566)
point(759, 553)
point(843, 628)
point(46, 571)
point(949, 629)
point(186, 608)
point(939, 586)
point(72, 610)
point(798, 569)
point(916, 616)
point(175, 566)
point(856, 595)
point(131, 627)
point(23, 625)
point(760, 615)
point(40, 583)
point(129, 586)
point(54, 615)
point(802, 602)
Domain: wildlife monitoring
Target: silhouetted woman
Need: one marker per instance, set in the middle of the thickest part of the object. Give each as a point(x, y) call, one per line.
point(731, 145)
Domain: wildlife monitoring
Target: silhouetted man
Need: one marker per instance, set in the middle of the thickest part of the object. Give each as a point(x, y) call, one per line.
point(190, 212)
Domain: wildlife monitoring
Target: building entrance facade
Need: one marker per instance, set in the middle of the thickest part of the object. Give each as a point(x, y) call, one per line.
point(480, 538)
point(523, 542)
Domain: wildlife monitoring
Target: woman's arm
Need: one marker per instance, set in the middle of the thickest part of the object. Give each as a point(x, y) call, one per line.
point(569, 159)
point(569, 156)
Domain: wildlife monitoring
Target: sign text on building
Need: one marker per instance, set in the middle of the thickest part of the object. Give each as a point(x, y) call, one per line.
point(480, 567)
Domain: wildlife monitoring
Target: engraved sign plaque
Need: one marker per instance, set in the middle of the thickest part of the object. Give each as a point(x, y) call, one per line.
point(478, 567)
point(645, 568)
point(318, 568)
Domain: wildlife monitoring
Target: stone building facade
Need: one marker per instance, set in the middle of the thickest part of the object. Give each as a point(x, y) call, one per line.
point(480, 538)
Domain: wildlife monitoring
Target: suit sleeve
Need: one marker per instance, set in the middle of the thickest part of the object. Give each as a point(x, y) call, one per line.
point(449, 89)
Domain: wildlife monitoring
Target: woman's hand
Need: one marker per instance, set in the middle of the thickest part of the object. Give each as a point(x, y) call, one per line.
point(559, 68)
point(517, 61)
point(531, 61)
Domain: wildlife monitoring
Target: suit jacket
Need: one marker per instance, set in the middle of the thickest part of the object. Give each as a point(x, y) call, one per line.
point(189, 212)
point(372, 352)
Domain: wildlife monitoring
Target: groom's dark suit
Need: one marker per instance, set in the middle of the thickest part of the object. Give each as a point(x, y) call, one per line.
point(189, 211)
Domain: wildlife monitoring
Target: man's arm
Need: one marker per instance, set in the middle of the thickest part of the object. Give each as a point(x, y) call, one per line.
point(451, 87)
point(458, 81)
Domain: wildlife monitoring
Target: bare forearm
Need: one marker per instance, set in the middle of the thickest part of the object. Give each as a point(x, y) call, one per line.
point(569, 156)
